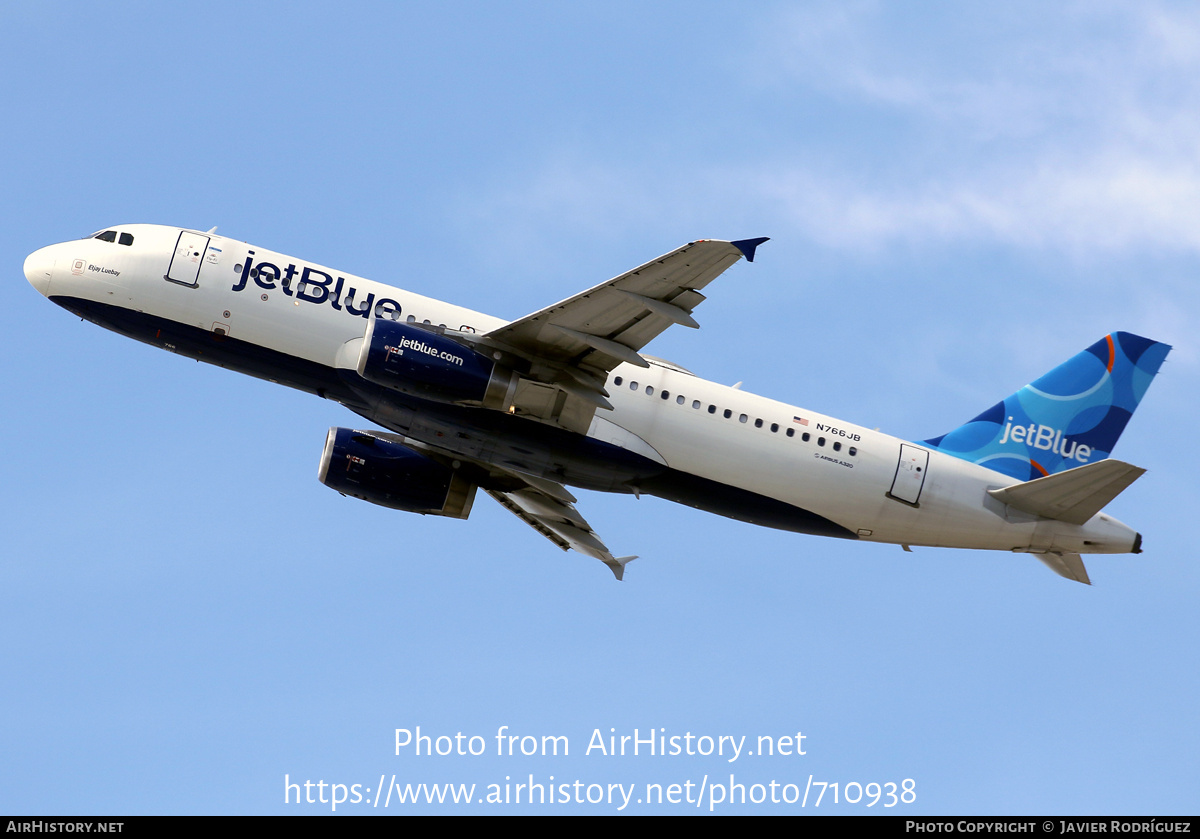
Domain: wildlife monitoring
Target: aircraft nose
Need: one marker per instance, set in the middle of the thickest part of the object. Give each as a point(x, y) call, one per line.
point(39, 266)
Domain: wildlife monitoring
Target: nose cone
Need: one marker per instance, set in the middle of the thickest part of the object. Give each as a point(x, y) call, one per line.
point(39, 267)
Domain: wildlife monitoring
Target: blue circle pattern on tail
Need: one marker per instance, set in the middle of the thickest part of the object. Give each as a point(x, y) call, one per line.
point(1069, 417)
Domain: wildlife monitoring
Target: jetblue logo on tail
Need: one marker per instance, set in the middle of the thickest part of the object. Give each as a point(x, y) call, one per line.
point(1047, 439)
point(1071, 416)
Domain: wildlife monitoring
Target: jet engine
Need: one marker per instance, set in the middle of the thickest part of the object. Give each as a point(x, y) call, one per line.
point(423, 363)
point(391, 474)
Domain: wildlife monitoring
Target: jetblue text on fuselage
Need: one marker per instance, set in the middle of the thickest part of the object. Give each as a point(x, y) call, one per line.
point(315, 286)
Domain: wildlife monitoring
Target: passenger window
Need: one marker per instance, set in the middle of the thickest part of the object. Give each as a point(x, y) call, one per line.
point(712, 409)
point(853, 451)
point(126, 239)
point(679, 400)
point(728, 413)
point(805, 436)
point(617, 381)
point(696, 404)
point(837, 447)
point(633, 385)
point(412, 318)
point(666, 394)
point(743, 418)
point(649, 390)
point(758, 423)
point(107, 236)
point(774, 427)
point(820, 441)
point(791, 432)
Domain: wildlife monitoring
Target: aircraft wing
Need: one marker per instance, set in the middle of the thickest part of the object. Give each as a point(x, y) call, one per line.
point(573, 344)
point(545, 505)
point(609, 323)
point(557, 519)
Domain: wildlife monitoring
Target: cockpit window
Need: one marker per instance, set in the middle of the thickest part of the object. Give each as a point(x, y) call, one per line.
point(126, 239)
point(107, 236)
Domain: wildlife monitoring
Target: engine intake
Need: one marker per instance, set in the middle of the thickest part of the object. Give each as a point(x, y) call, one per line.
point(393, 475)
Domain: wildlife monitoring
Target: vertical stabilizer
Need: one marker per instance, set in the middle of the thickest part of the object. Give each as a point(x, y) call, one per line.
point(1069, 417)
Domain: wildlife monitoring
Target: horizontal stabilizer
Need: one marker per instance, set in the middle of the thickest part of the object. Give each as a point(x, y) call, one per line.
point(1066, 565)
point(1073, 496)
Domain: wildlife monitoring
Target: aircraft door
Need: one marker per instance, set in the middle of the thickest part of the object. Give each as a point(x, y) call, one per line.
point(187, 259)
point(910, 474)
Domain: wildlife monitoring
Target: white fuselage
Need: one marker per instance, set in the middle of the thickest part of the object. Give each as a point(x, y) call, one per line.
point(850, 475)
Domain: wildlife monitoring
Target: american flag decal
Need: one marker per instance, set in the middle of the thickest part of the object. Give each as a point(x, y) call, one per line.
point(800, 420)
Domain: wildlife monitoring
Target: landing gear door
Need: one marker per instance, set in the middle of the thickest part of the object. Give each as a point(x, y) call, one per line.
point(910, 474)
point(186, 261)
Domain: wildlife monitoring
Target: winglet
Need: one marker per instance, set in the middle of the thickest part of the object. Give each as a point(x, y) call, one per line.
point(749, 246)
point(618, 565)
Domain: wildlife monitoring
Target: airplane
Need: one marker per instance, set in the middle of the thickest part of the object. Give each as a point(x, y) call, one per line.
point(565, 397)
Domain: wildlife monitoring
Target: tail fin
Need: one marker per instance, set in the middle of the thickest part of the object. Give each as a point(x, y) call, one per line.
point(1071, 416)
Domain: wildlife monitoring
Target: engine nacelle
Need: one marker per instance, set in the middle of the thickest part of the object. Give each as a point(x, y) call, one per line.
point(393, 475)
point(416, 361)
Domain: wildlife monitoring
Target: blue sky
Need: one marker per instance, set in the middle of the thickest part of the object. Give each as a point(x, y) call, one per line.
point(958, 200)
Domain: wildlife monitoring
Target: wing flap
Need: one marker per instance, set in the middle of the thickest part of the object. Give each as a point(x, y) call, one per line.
point(518, 511)
point(671, 311)
point(560, 522)
point(613, 349)
point(1073, 496)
